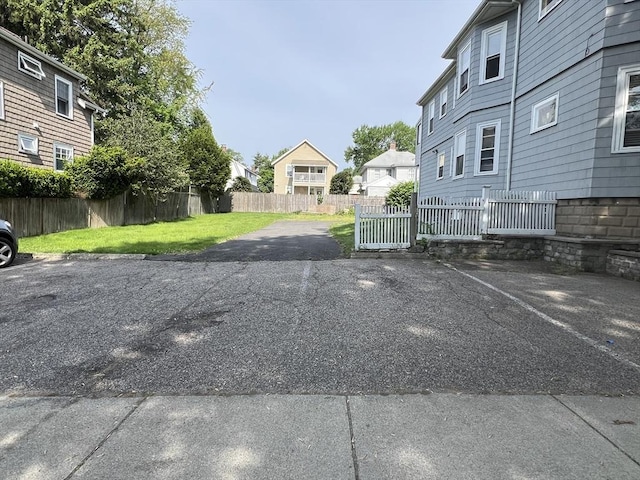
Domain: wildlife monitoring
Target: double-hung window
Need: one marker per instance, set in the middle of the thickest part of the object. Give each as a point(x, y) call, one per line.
point(460, 146)
point(546, 6)
point(30, 66)
point(494, 45)
point(289, 170)
point(464, 63)
point(441, 159)
point(432, 117)
point(62, 154)
point(544, 114)
point(418, 133)
point(443, 102)
point(487, 148)
point(1, 101)
point(64, 96)
point(27, 144)
point(626, 119)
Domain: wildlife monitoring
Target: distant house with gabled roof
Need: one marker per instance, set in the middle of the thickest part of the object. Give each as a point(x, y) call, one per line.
point(386, 170)
point(303, 170)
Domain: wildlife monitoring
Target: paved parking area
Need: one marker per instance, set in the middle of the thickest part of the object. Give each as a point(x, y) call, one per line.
point(327, 327)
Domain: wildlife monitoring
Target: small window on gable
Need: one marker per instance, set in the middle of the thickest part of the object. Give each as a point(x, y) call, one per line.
point(1, 101)
point(546, 6)
point(64, 97)
point(432, 117)
point(544, 114)
point(62, 154)
point(441, 159)
point(27, 144)
point(443, 102)
point(494, 45)
point(460, 146)
point(464, 62)
point(626, 118)
point(30, 66)
point(487, 148)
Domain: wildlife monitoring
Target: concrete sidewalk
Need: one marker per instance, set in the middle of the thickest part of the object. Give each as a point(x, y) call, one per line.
point(321, 437)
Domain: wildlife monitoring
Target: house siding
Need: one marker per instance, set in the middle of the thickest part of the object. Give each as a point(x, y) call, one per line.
point(304, 154)
point(28, 100)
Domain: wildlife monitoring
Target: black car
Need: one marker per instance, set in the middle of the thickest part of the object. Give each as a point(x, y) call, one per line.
point(8, 244)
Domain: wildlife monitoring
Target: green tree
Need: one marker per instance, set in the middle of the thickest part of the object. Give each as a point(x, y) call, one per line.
point(400, 194)
point(209, 167)
point(104, 173)
point(262, 164)
point(132, 51)
point(369, 142)
point(241, 184)
point(159, 168)
point(341, 182)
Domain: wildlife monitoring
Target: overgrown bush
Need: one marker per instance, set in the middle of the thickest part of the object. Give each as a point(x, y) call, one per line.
point(18, 181)
point(104, 173)
point(400, 195)
point(240, 184)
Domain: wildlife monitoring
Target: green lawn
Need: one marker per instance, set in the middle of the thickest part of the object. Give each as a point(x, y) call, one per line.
point(188, 235)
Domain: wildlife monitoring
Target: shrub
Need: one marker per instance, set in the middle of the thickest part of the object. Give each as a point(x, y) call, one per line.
point(241, 184)
point(18, 181)
point(341, 182)
point(104, 173)
point(400, 194)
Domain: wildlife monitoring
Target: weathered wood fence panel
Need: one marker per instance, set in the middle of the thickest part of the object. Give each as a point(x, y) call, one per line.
point(287, 203)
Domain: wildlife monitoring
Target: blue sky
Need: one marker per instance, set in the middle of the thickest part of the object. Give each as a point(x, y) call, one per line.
point(286, 70)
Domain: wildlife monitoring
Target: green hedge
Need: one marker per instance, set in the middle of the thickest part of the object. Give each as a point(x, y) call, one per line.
point(18, 181)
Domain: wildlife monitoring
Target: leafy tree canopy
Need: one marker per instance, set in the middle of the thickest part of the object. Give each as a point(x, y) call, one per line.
point(400, 194)
point(369, 142)
point(240, 184)
point(262, 165)
point(341, 182)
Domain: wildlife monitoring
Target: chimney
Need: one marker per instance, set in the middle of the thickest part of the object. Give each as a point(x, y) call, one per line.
point(224, 147)
point(392, 145)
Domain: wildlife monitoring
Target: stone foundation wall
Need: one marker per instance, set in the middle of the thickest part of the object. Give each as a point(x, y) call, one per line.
point(599, 218)
point(499, 248)
point(624, 264)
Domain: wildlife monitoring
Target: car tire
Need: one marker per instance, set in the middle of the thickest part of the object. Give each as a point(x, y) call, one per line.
point(7, 252)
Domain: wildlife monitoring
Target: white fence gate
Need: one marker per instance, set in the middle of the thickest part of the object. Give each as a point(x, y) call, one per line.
point(380, 227)
point(496, 212)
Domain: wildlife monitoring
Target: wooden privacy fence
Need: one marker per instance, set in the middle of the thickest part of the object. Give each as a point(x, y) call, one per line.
point(382, 227)
point(38, 216)
point(496, 212)
point(288, 203)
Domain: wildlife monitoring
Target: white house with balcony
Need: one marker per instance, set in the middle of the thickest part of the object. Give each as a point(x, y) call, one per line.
point(381, 173)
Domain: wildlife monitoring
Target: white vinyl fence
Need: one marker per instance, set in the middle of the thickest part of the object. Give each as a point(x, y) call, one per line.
point(496, 212)
point(380, 227)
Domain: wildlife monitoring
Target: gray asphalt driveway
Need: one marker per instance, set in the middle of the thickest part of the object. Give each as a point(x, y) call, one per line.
point(280, 241)
point(339, 326)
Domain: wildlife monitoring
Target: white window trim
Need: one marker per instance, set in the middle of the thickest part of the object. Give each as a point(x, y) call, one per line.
point(467, 46)
point(619, 116)
point(62, 146)
point(441, 154)
point(21, 149)
point(431, 117)
point(418, 133)
point(539, 105)
point(543, 12)
point(30, 69)
point(443, 93)
point(70, 100)
point(454, 157)
point(2, 101)
point(288, 172)
point(501, 27)
point(496, 147)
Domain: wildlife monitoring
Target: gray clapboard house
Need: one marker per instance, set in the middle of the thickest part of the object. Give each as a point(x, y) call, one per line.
point(541, 95)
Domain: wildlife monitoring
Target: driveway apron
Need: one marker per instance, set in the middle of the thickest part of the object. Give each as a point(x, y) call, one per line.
point(280, 241)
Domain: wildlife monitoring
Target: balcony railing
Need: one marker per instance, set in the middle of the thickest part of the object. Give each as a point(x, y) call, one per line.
point(309, 178)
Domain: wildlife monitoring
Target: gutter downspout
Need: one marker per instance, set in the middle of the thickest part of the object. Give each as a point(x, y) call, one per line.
point(512, 107)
